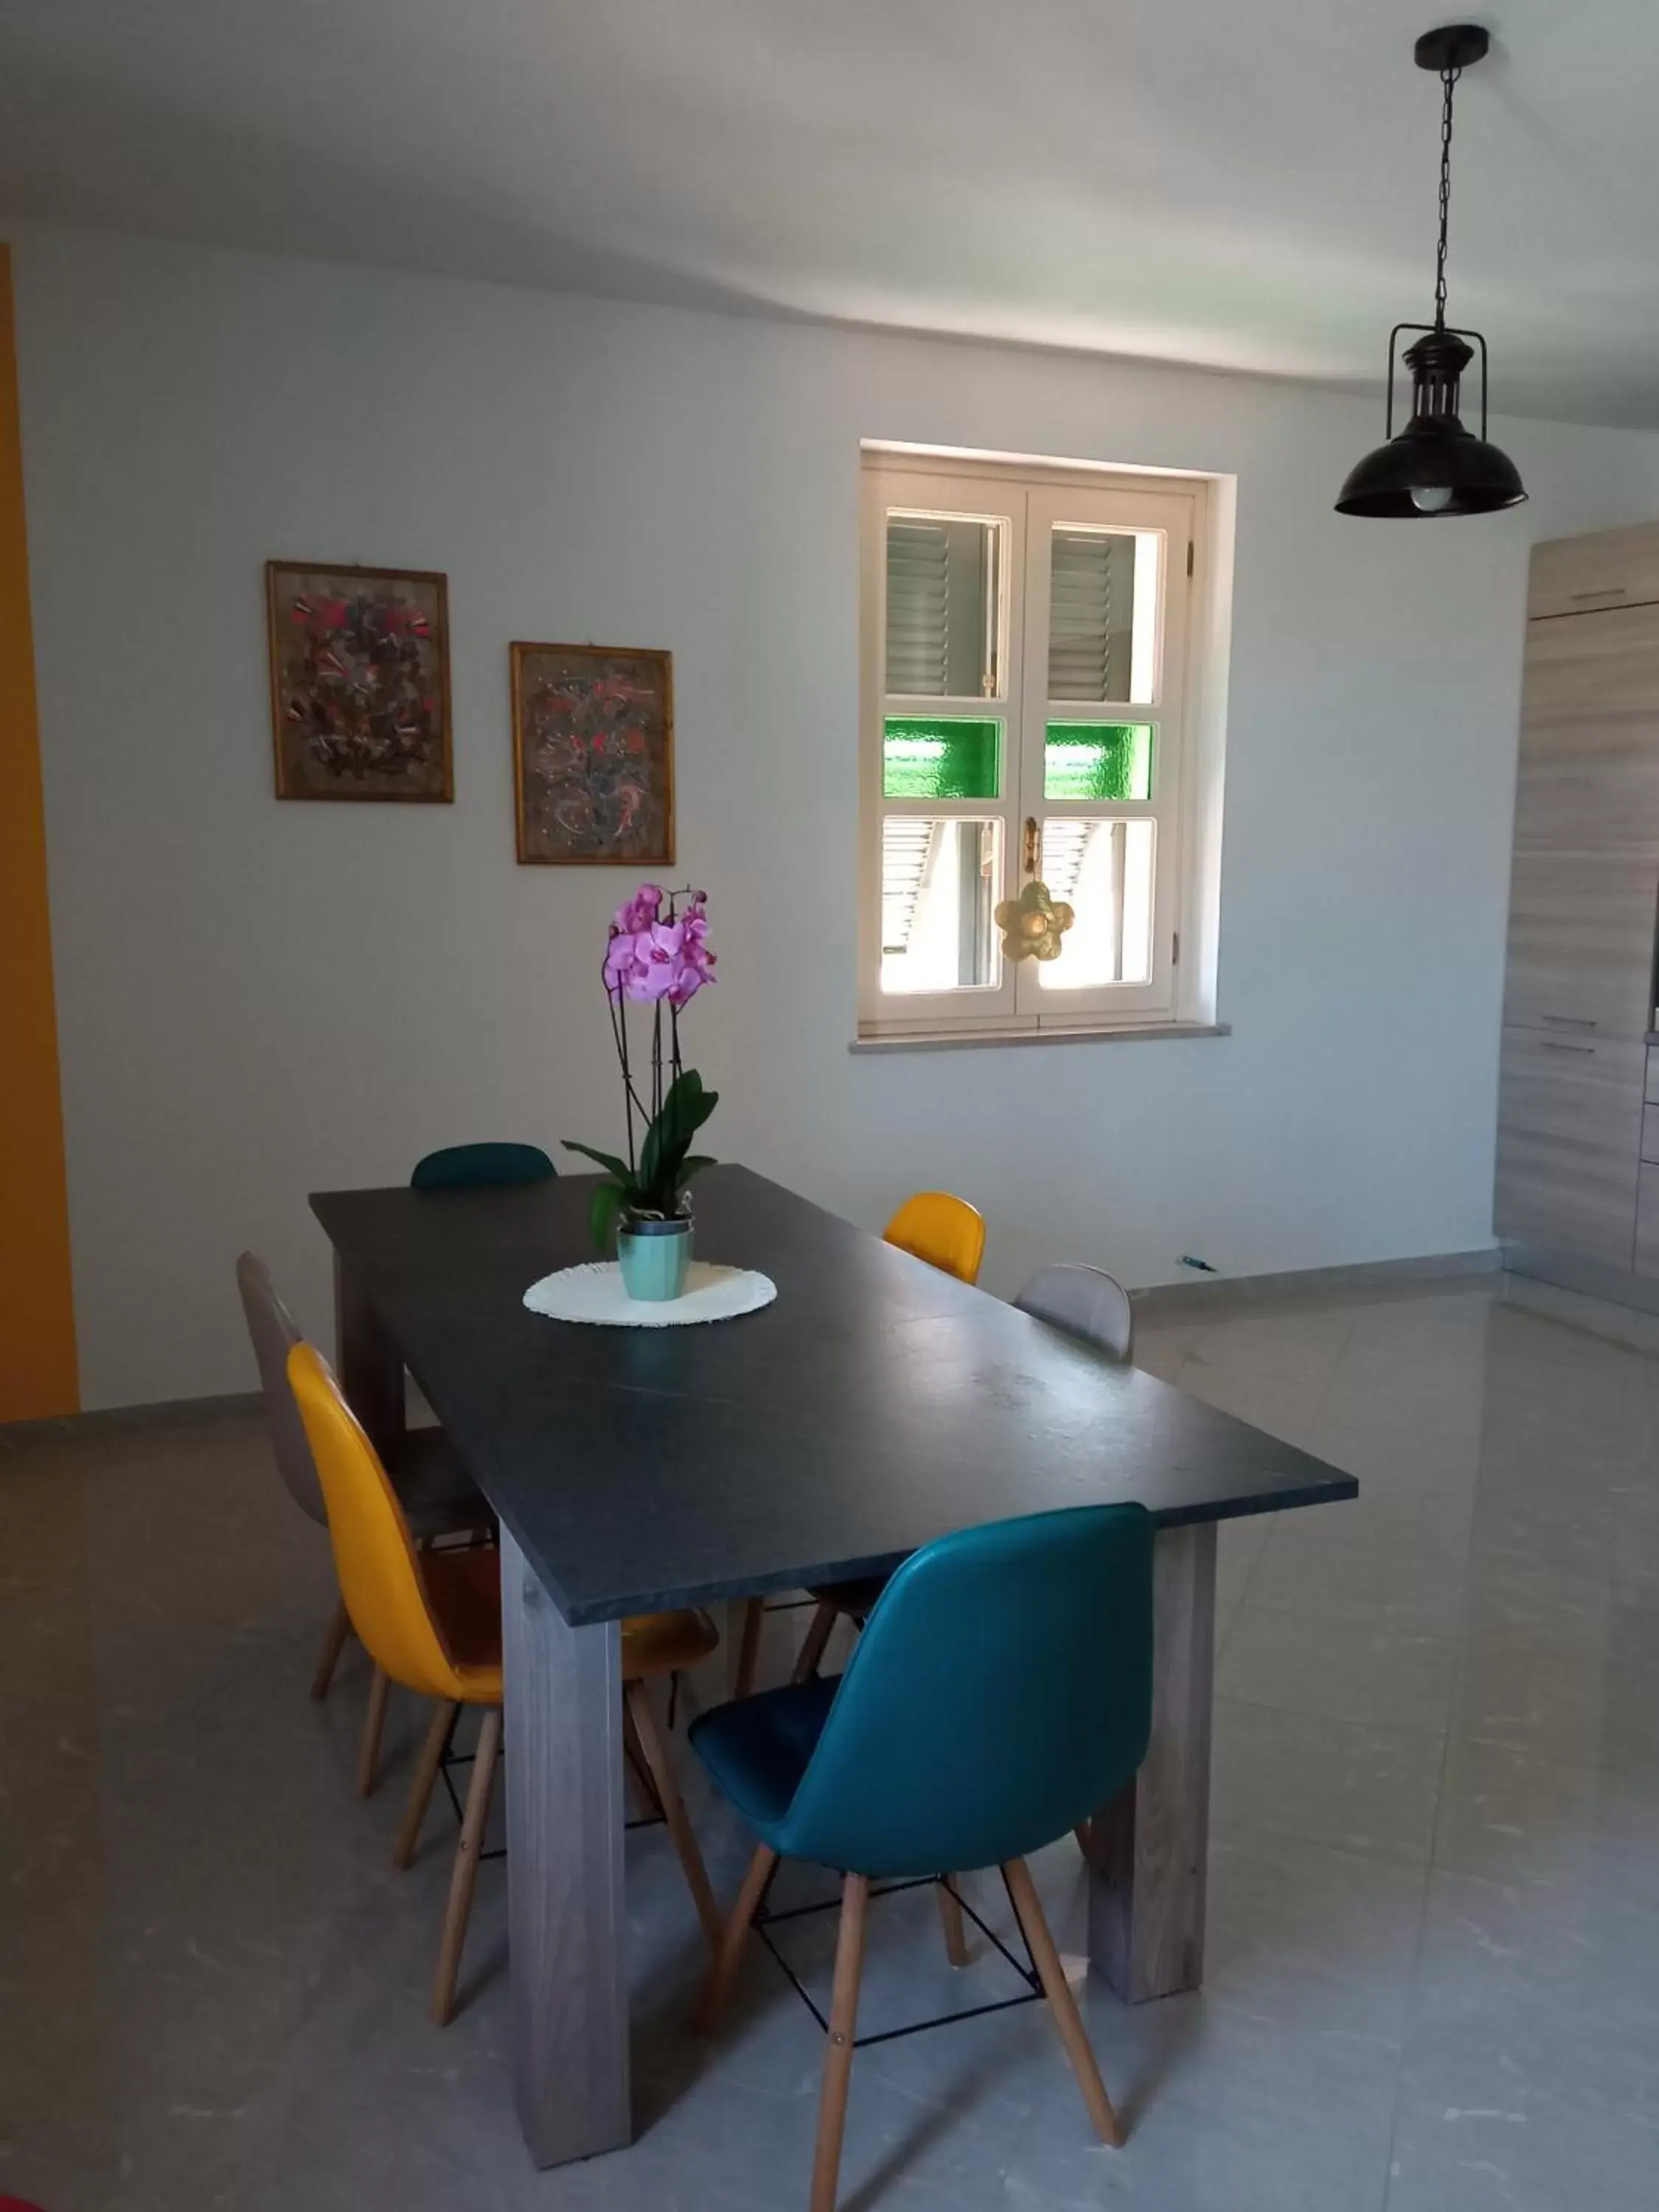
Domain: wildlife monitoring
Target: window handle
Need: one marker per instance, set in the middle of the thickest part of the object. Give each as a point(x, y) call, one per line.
point(1030, 844)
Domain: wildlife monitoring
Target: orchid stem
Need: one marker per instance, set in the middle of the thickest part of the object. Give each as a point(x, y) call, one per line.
point(619, 1031)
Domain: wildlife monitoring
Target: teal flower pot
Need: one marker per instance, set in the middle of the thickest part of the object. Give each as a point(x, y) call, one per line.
point(655, 1256)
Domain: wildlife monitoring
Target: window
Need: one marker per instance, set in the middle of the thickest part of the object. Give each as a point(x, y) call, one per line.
point(1024, 647)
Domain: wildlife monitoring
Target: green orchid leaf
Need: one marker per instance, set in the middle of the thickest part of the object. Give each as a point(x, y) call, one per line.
point(609, 1161)
point(694, 1164)
point(693, 1104)
point(685, 1108)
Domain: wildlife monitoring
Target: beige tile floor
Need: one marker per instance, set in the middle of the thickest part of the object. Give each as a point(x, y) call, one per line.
point(1433, 1980)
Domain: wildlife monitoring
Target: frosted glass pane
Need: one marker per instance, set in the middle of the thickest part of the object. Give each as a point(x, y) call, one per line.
point(943, 606)
point(940, 758)
point(940, 882)
point(1097, 760)
point(1104, 872)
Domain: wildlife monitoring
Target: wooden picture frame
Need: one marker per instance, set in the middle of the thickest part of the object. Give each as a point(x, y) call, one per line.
point(593, 755)
point(333, 736)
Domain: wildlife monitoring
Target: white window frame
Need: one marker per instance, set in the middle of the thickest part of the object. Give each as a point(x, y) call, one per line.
point(1031, 502)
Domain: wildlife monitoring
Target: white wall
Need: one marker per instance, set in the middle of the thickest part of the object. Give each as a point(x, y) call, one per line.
point(257, 1000)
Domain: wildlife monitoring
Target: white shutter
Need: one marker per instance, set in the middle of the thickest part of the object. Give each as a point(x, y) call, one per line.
point(1080, 615)
point(1065, 842)
point(909, 846)
point(918, 606)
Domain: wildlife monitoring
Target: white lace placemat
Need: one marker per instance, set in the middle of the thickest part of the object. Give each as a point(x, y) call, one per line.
point(595, 1293)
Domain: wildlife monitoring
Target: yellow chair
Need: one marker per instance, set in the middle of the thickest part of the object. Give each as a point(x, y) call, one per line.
point(432, 1620)
point(947, 1232)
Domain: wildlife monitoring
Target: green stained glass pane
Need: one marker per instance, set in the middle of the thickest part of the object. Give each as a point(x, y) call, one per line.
point(941, 756)
point(1097, 760)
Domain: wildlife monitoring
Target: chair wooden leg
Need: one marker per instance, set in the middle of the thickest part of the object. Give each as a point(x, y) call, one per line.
point(463, 1880)
point(638, 1703)
point(812, 1651)
point(634, 1751)
point(734, 1936)
point(1022, 1892)
point(838, 2045)
point(444, 1718)
point(368, 1756)
point(951, 1918)
point(339, 1630)
point(754, 1615)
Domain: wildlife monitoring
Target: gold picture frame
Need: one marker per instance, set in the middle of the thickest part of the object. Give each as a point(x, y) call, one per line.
point(360, 706)
point(593, 755)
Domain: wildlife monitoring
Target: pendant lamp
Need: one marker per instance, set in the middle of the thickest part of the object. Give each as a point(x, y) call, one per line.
point(1434, 466)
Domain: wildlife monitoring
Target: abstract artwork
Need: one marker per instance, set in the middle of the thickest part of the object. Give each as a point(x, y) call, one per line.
point(359, 682)
point(593, 755)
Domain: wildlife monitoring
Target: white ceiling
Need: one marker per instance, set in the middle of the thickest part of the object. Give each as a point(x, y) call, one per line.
point(1248, 184)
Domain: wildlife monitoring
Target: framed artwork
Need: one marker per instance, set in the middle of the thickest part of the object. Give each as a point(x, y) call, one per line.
point(359, 682)
point(593, 755)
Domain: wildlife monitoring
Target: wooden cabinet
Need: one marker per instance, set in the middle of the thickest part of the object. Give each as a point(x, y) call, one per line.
point(1569, 1144)
point(1647, 1183)
point(1580, 941)
point(1576, 1128)
point(1612, 568)
point(1588, 775)
point(1647, 1222)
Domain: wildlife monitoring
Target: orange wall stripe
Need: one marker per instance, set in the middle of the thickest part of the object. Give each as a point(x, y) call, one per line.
point(37, 1311)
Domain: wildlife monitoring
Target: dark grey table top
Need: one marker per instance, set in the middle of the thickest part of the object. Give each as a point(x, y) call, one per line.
point(876, 1405)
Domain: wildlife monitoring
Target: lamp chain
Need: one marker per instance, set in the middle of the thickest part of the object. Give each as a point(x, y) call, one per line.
point(1448, 78)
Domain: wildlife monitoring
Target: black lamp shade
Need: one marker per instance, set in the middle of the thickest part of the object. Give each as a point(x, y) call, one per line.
point(1430, 456)
point(1435, 467)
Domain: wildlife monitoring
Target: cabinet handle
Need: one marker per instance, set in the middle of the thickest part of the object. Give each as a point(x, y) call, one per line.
point(1566, 1022)
point(1606, 592)
point(1549, 1044)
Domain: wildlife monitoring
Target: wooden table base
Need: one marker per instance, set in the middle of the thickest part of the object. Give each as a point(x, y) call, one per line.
point(566, 1924)
point(1150, 1846)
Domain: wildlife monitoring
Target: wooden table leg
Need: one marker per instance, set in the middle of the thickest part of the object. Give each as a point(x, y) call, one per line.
point(567, 1925)
point(370, 1366)
point(1151, 1846)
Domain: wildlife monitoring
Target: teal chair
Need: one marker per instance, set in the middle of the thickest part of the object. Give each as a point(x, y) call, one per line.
point(466, 1167)
point(1001, 1693)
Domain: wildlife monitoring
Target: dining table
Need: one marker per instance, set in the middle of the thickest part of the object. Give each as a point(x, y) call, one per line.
point(874, 1405)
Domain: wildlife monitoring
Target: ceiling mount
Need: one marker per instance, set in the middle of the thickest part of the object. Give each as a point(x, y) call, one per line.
point(1452, 46)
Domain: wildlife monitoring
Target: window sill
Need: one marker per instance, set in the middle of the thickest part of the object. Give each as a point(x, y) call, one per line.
point(1121, 1032)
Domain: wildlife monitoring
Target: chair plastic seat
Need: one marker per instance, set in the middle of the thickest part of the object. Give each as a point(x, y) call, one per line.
point(1001, 1693)
point(473, 1167)
point(947, 1232)
point(436, 1493)
point(659, 1643)
point(758, 1748)
point(857, 1598)
point(463, 1588)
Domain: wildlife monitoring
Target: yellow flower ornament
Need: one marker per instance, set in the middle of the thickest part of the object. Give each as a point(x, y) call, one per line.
point(1033, 925)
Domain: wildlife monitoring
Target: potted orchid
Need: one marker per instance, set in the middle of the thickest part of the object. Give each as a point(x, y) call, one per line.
point(658, 956)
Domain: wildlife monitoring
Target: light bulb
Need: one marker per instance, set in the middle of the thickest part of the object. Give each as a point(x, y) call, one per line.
point(1432, 498)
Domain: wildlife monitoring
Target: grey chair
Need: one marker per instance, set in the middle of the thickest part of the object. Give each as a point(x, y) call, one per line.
point(1084, 1302)
point(438, 1497)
